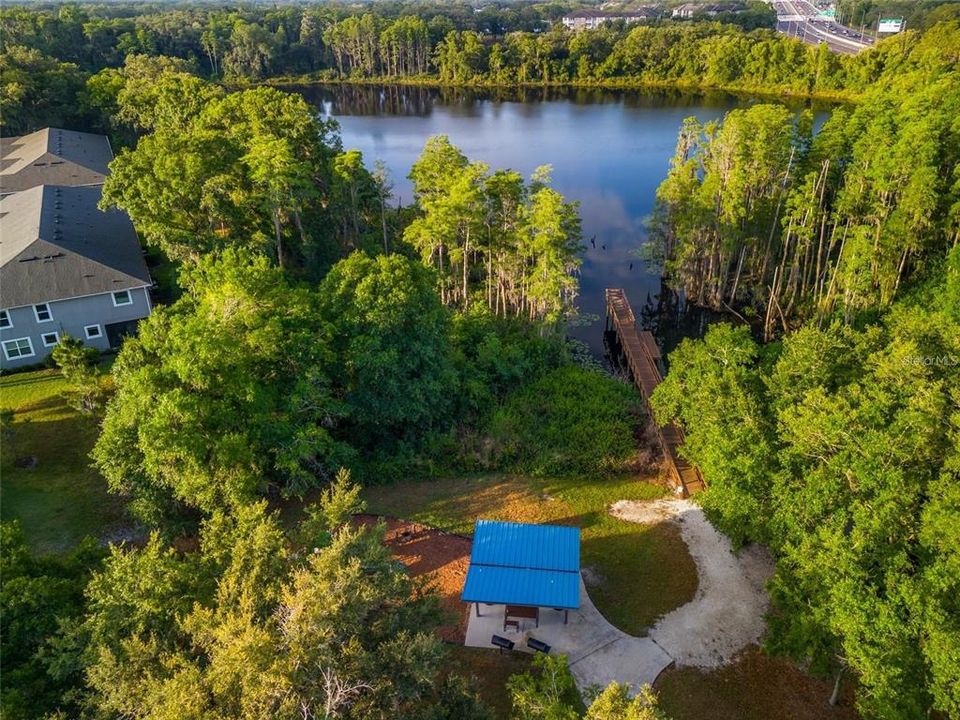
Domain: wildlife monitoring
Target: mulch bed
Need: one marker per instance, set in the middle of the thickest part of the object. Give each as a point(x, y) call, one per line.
point(440, 557)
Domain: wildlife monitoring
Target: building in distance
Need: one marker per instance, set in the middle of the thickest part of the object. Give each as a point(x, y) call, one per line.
point(592, 19)
point(689, 10)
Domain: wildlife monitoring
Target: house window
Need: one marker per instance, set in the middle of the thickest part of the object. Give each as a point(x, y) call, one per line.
point(42, 311)
point(93, 331)
point(122, 297)
point(50, 339)
point(19, 348)
point(5, 321)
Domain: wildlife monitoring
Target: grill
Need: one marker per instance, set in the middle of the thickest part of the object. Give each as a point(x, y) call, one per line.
point(502, 643)
point(538, 645)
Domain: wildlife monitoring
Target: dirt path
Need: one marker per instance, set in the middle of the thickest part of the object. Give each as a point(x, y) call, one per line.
point(440, 557)
point(726, 615)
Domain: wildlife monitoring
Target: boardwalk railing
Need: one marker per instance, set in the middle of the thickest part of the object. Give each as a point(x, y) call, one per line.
point(642, 357)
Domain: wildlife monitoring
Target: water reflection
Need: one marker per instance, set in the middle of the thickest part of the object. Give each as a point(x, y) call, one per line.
point(419, 101)
point(609, 151)
point(667, 314)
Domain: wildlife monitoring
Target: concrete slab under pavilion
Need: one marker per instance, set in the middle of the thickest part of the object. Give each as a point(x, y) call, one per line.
point(597, 652)
point(536, 568)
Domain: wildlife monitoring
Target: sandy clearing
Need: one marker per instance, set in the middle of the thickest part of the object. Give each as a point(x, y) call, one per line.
point(726, 614)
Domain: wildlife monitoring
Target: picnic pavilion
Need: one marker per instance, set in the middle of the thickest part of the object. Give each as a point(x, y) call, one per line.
point(524, 581)
point(518, 570)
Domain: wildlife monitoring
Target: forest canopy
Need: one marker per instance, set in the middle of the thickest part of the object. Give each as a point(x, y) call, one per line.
point(310, 335)
point(838, 447)
point(761, 214)
point(60, 64)
point(316, 330)
point(836, 442)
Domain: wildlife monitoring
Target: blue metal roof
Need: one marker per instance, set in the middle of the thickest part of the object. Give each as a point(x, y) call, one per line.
point(510, 544)
point(515, 586)
point(523, 564)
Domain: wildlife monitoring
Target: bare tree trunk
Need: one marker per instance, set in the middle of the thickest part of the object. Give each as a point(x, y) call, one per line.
point(776, 216)
point(900, 269)
point(443, 282)
point(818, 272)
point(771, 299)
point(828, 300)
point(303, 235)
point(835, 695)
point(489, 277)
point(736, 277)
point(383, 223)
point(276, 229)
point(466, 257)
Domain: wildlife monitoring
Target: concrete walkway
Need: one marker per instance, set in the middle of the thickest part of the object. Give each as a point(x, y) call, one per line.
point(725, 615)
point(597, 652)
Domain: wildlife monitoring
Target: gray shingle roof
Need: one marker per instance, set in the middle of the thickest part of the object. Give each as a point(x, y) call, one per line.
point(641, 12)
point(53, 157)
point(55, 243)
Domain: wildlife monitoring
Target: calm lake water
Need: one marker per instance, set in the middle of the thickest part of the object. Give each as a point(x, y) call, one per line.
point(609, 151)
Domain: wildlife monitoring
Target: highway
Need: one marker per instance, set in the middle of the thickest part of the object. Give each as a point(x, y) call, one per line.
point(799, 19)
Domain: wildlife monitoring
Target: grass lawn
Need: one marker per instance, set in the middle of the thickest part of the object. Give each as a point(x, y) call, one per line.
point(756, 687)
point(488, 672)
point(635, 574)
point(62, 498)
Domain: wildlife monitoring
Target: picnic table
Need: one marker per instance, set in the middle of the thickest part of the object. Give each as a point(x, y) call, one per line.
point(518, 612)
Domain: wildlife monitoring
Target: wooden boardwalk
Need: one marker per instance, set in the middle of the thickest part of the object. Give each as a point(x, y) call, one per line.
point(642, 356)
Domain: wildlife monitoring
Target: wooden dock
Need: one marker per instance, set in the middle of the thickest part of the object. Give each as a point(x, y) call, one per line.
point(642, 356)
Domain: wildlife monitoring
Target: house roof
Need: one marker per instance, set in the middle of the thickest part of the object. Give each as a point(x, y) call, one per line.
point(53, 157)
point(55, 244)
point(611, 15)
point(587, 14)
point(696, 8)
point(523, 564)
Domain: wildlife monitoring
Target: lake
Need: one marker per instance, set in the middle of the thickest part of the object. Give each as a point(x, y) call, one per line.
point(609, 151)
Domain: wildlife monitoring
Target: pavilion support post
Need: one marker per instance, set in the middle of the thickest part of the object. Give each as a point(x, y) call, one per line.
point(477, 606)
point(565, 615)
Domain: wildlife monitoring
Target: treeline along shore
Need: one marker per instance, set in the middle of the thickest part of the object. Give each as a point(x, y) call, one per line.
point(59, 63)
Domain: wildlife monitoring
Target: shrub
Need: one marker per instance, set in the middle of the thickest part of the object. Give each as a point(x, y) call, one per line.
point(571, 420)
point(78, 363)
